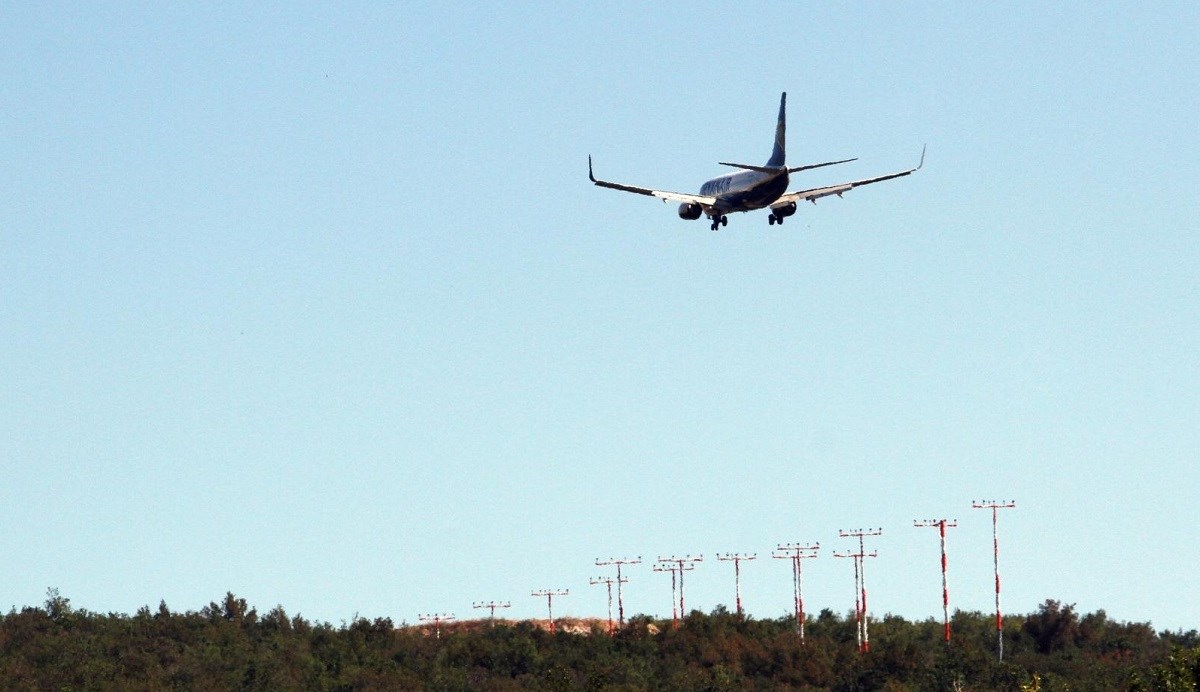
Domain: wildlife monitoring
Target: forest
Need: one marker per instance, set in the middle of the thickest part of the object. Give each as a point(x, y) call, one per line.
point(229, 645)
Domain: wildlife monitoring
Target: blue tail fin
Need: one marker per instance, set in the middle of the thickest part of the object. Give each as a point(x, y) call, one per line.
point(778, 153)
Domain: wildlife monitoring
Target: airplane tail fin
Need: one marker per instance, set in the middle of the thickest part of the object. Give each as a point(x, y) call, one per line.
point(778, 153)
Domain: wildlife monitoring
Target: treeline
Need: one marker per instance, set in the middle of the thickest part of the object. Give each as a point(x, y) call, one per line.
point(231, 646)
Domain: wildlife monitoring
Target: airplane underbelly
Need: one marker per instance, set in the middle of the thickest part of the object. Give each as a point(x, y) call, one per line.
point(752, 198)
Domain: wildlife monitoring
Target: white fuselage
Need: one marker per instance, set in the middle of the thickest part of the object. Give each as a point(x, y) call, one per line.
point(744, 190)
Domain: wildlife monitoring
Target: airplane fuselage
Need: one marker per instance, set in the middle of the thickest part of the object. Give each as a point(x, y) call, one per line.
point(744, 190)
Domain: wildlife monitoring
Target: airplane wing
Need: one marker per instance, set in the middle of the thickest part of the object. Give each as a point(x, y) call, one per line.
point(818, 192)
point(702, 200)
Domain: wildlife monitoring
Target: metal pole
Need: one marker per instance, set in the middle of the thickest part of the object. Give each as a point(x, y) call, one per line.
point(994, 506)
point(492, 606)
point(862, 558)
point(863, 618)
point(796, 552)
point(609, 582)
point(682, 611)
point(860, 597)
point(676, 571)
point(665, 567)
point(945, 585)
point(857, 602)
point(737, 558)
point(609, 585)
point(550, 594)
point(674, 595)
point(737, 585)
point(437, 619)
point(797, 585)
point(941, 525)
point(620, 602)
point(682, 564)
point(996, 569)
point(620, 598)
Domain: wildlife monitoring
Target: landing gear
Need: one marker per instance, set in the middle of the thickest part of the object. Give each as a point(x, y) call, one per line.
point(719, 221)
point(773, 219)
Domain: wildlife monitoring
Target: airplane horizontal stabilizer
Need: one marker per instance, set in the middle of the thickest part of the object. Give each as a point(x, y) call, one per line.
point(774, 169)
point(748, 167)
point(811, 166)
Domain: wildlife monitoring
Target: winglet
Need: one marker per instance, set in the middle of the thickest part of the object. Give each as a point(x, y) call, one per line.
point(922, 163)
point(593, 177)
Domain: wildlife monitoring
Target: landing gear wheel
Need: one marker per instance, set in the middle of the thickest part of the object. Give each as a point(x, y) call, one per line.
point(771, 219)
point(724, 220)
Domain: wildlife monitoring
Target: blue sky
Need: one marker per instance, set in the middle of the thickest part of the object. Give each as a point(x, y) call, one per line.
point(316, 305)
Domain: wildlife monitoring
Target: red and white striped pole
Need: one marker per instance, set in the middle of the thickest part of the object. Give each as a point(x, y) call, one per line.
point(492, 606)
point(618, 561)
point(737, 558)
point(797, 552)
point(942, 524)
point(860, 598)
point(669, 567)
point(437, 619)
point(860, 560)
point(550, 594)
point(994, 506)
point(685, 563)
point(608, 581)
point(676, 566)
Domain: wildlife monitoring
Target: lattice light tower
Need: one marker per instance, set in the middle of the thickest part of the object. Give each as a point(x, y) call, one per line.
point(492, 606)
point(619, 561)
point(677, 566)
point(437, 619)
point(995, 506)
point(550, 594)
point(941, 525)
point(737, 559)
point(796, 552)
point(608, 581)
point(860, 578)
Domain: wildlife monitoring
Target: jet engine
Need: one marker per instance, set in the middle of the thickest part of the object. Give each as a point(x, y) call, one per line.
point(692, 211)
point(780, 212)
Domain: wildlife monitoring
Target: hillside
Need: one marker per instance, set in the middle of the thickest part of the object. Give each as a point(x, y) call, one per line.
point(230, 645)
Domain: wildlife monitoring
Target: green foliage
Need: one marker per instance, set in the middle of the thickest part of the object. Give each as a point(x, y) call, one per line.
point(1179, 673)
point(229, 645)
point(1054, 627)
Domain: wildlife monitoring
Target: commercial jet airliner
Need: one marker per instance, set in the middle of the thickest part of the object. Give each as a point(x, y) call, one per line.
point(752, 187)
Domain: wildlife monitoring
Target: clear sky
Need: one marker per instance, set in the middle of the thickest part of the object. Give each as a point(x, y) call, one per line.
point(315, 304)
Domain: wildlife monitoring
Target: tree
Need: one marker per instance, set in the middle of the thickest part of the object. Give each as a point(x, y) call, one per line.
point(1053, 627)
point(57, 607)
point(1179, 673)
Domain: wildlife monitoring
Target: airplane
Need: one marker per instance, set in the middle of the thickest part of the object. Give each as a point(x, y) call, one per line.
point(752, 187)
